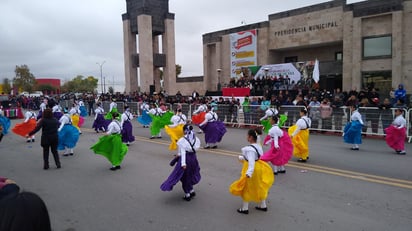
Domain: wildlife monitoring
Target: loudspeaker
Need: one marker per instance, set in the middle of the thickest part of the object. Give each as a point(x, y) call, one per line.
point(152, 89)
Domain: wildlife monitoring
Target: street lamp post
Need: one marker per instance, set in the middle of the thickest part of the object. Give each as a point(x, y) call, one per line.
point(101, 74)
point(219, 85)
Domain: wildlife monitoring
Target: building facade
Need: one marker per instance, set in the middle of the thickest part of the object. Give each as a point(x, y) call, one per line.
point(365, 44)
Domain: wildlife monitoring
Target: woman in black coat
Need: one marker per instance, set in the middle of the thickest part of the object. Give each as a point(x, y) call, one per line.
point(49, 137)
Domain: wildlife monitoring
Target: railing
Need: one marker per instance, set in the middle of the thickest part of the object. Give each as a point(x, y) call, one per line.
point(324, 119)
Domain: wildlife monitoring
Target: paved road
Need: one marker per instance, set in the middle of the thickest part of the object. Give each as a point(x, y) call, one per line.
point(338, 189)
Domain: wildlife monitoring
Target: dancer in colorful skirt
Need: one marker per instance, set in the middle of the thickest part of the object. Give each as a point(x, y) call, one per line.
point(100, 123)
point(112, 110)
point(5, 122)
point(82, 108)
point(111, 145)
point(352, 133)
point(265, 120)
point(281, 147)
point(126, 125)
point(160, 119)
point(299, 133)
point(175, 130)
point(43, 106)
point(187, 169)
point(396, 133)
point(57, 111)
point(68, 135)
point(145, 118)
point(213, 128)
point(199, 115)
point(256, 177)
point(29, 123)
point(75, 116)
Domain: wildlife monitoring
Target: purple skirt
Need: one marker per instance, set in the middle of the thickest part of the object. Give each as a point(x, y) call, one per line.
point(188, 177)
point(100, 123)
point(127, 132)
point(214, 131)
point(57, 115)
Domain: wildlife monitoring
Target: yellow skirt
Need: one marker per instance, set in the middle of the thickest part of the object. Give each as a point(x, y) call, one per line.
point(300, 143)
point(175, 134)
point(257, 187)
point(75, 120)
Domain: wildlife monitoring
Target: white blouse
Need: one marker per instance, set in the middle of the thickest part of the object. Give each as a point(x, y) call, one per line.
point(249, 154)
point(399, 121)
point(184, 146)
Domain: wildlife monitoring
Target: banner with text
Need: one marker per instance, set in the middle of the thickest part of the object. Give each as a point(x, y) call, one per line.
point(243, 48)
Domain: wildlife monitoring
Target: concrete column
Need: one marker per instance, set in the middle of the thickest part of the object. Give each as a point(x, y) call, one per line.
point(168, 46)
point(218, 64)
point(397, 28)
point(144, 23)
point(156, 70)
point(347, 51)
point(357, 53)
point(206, 70)
point(129, 41)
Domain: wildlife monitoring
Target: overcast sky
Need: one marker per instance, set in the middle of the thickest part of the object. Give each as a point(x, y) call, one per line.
point(63, 39)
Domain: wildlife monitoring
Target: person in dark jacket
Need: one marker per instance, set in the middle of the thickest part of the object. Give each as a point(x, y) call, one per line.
point(49, 137)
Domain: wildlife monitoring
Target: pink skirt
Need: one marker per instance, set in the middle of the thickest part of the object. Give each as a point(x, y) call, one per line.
point(395, 138)
point(279, 156)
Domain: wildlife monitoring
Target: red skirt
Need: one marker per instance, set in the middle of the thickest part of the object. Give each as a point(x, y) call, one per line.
point(395, 137)
point(198, 118)
point(22, 129)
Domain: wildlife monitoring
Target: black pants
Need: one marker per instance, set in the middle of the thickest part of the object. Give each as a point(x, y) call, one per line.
point(53, 147)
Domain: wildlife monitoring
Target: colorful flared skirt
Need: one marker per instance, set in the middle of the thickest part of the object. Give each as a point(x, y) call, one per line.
point(214, 131)
point(5, 123)
point(175, 134)
point(353, 132)
point(22, 129)
point(144, 119)
point(255, 188)
point(111, 147)
point(68, 137)
point(395, 137)
point(300, 142)
point(159, 122)
point(127, 132)
point(189, 176)
point(279, 156)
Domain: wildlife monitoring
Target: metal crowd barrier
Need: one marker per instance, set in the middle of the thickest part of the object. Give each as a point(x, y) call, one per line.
point(324, 119)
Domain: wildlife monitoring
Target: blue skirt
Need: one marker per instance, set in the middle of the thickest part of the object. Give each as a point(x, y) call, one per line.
point(353, 132)
point(83, 111)
point(189, 177)
point(127, 132)
point(68, 137)
point(5, 123)
point(144, 119)
point(214, 131)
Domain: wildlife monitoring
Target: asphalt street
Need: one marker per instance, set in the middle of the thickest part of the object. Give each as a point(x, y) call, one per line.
point(338, 189)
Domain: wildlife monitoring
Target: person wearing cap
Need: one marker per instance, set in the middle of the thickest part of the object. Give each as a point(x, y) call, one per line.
point(68, 134)
point(187, 169)
point(299, 133)
point(352, 133)
point(100, 123)
point(28, 125)
point(396, 133)
point(110, 145)
point(126, 125)
point(175, 130)
point(213, 128)
point(256, 177)
point(281, 147)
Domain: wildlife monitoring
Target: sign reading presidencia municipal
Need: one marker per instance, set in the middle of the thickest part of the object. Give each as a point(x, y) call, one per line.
point(243, 50)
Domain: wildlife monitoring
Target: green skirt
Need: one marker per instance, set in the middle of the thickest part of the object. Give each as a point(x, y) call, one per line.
point(111, 147)
point(159, 122)
point(109, 116)
point(266, 123)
